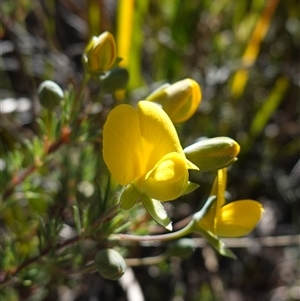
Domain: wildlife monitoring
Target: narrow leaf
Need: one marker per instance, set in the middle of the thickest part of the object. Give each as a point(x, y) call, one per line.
point(77, 219)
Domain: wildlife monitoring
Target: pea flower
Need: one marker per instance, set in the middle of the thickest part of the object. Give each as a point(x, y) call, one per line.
point(100, 54)
point(229, 220)
point(180, 100)
point(143, 153)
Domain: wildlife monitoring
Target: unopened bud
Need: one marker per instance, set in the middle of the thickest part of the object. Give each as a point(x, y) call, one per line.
point(179, 100)
point(110, 264)
point(50, 94)
point(212, 154)
point(100, 54)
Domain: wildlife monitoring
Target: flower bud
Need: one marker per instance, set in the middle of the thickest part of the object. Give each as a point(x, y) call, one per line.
point(100, 54)
point(212, 154)
point(110, 264)
point(182, 248)
point(180, 100)
point(114, 79)
point(50, 94)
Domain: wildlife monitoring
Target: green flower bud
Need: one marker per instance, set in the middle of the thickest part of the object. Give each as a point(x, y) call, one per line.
point(115, 79)
point(100, 54)
point(50, 94)
point(182, 248)
point(212, 154)
point(180, 100)
point(110, 264)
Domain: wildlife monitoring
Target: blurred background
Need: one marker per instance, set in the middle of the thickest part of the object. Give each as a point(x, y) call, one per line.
point(245, 56)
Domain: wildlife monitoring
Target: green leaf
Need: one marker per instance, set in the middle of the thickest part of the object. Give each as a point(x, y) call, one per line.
point(77, 219)
point(85, 218)
point(129, 197)
point(157, 211)
point(190, 188)
point(217, 244)
point(42, 126)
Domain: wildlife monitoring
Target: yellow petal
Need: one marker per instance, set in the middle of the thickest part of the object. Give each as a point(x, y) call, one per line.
point(134, 141)
point(122, 144)
point(222, 183)
point(159, 136)
point(238, 218)
point(219, 187)
point(209, 222)
point(168, 179)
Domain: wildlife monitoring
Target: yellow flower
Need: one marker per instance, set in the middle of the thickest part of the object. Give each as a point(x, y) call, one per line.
point(230, 220)
point(100, 54)
point(180, 100)
point(141, 148)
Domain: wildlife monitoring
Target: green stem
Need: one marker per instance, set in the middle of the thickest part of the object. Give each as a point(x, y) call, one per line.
point(49, 124)
point(161, 237)
point(79, 95)
point(84, 82)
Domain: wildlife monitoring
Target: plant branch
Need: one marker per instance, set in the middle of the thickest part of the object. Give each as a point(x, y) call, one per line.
point(66, 132)
point(36, 258)
point(59, 246)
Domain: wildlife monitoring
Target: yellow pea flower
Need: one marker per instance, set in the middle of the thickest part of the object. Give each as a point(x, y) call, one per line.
point(180, 100)
point(230, 220)
point(141, 148)
point(100, 54)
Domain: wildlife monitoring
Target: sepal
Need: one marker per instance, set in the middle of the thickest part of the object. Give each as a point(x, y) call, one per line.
point(129, 196)
point(190, 187)
point(157, 212)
